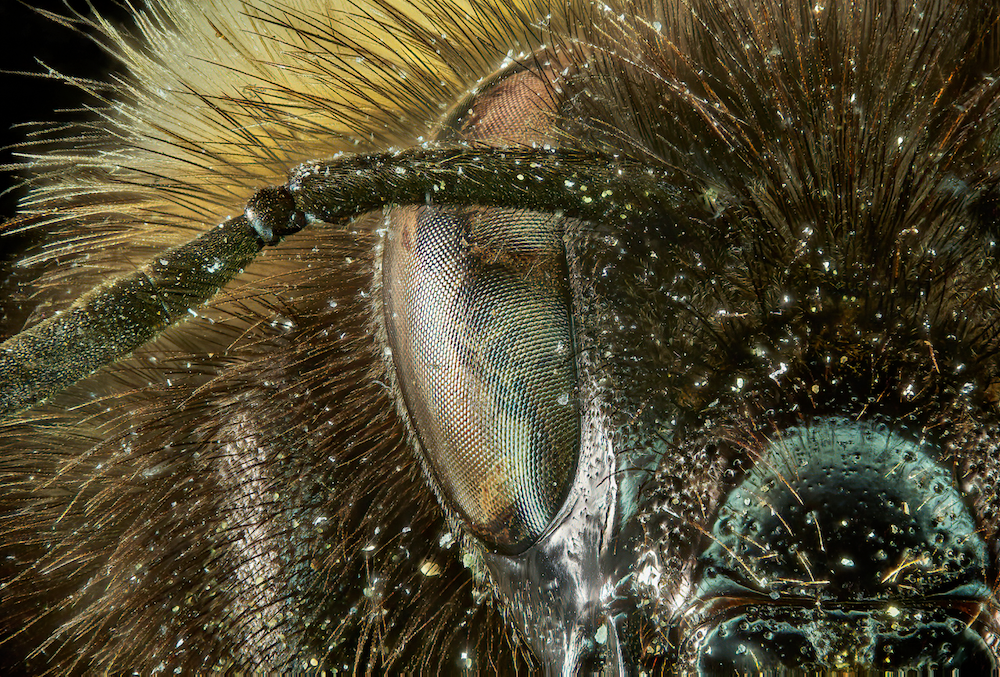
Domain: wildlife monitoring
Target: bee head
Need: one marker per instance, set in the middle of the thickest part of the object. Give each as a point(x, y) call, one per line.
point(735, 428)
point(679, 327)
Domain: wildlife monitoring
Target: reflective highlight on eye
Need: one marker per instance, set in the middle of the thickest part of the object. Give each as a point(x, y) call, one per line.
point(478, 317)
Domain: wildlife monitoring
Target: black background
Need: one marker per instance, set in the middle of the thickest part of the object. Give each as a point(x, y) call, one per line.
point(26, 39)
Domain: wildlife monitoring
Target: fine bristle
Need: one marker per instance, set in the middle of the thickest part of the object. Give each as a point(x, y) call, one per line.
point(242, 494)
point(155, 515)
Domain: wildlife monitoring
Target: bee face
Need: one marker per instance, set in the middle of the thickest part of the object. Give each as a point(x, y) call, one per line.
point(699, 378)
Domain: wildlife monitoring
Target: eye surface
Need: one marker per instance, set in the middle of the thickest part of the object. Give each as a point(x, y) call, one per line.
point(478, 314)
point(478, 317)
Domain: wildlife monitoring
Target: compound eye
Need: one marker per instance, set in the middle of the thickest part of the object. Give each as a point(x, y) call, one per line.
point(478, 316)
